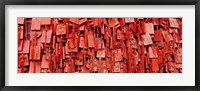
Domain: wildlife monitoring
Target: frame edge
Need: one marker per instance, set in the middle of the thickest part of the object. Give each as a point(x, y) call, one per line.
point(197, 27)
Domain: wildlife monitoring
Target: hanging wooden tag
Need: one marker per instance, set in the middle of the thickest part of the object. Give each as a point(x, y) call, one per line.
point(133, 43)
point(82, 28)
point(119, 34)
point(82, 21)
point(26, 46)
point(158, 35)
point(147, 39)
point(96, 21)
point(149, 28)
point(74, 20)
point(101, 53)
point(48, 36)
point(117, 67)
point(73, 47)
point(95, 65)
point(31, 54)
point(66, 67)
point(167, 36)
point(114, 23)
point(61, 29)
point(20, 20)
point(43, 35)
point(38, 67)
point(152, 52)
point(31, 68)
point(20, 45)
point(173, 23)
point(129, 20)
point(45, 21)
point(26, 60)
point(35, 25)
point(21, 32)
point(90, 39)
point(99, 43)
point(82, 42)
point(37, 52)
point(103, 29)
point(118, 55)
point(154, 65)
point(45, 62)
point(178, 56)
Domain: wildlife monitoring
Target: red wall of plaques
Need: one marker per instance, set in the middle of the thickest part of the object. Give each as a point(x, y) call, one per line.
point(100, 45)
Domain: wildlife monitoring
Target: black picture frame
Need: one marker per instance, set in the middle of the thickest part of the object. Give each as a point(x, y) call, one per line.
point(98, 2)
